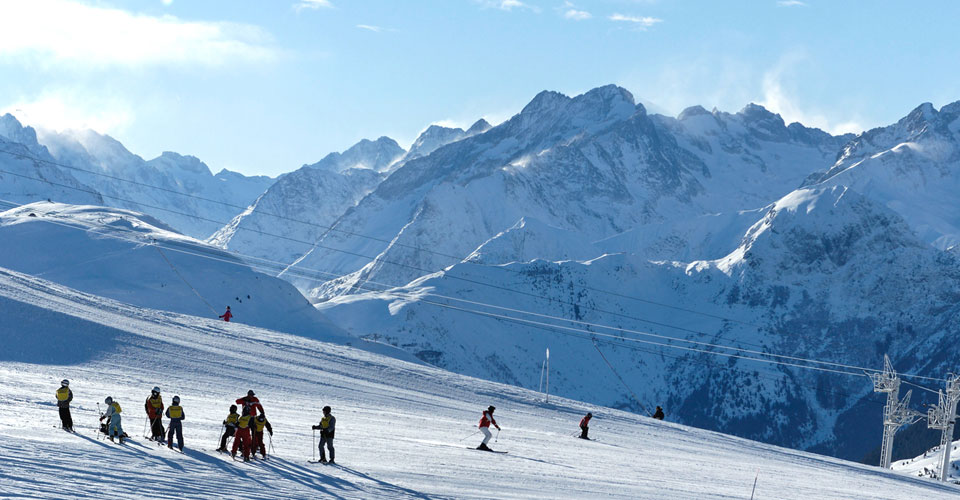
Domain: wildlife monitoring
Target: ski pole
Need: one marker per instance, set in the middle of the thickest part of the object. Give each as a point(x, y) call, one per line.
point(98, 423)
point(222, 430)
point(474, 433)
point(272, 450)
point(314, 445)
point(498, 436)
point(145, 426)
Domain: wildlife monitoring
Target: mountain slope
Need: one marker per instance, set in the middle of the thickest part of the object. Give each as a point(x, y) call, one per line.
point(127, 350)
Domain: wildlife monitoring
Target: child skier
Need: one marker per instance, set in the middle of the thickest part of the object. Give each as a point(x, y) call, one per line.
point(242, 438)
point(230, 427)
point(327, 427)
point(485, 422)
point(64, 397)
point(113, 419)
point(176, 416)
point(227, 315)
point(154, 409)
point(658, 414)
point(259, 424)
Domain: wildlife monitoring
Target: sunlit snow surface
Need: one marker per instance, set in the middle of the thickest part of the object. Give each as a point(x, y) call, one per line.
point(402, 428)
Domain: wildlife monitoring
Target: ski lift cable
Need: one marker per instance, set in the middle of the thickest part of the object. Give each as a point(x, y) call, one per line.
point(206, 254)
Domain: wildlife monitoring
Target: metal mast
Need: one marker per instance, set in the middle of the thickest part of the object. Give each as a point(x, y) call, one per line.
point(896, 413)
point(943, 417)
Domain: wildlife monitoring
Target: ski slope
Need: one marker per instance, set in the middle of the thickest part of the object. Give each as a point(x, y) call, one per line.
point(402, 428)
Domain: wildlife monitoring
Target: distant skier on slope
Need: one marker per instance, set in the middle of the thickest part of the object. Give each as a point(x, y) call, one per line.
point(112, 415)
point(658, 414)
point(154, 409)
point(327, 428)
point(176, 416)
point(64, 397)
point(485, 420)
point(585, 425)
point(230, 427)
point(227, 315)
point(259, 424)
point(250, 402)
point(242, 438)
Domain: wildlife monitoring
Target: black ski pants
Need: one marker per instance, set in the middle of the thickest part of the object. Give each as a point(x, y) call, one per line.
point(324, 440)
point(65, 419)
point(175, 426)
point(156, 428)
point(227, 434)
point(583, 432)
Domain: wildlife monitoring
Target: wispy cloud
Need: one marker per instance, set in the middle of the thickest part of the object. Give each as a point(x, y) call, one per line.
point(507, 5)
point(577, 15)
point(640, 22)
point(375, 29)
point(778, 98)
point(166, 2)
point(57, 31)
point(313, 4)
point(791, 3)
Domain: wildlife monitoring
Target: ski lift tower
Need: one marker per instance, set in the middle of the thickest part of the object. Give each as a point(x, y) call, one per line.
point(896, 413)
point(942, 417)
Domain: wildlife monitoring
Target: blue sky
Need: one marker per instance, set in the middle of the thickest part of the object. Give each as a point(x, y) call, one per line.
point(265, 86)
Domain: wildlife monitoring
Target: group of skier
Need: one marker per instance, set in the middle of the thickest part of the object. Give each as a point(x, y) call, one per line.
point(246, 428)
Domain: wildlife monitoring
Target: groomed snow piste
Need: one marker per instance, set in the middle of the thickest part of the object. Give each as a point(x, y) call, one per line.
point(402, 428)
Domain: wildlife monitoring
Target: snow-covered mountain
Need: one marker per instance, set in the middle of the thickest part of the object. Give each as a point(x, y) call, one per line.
point(284, 223)
point(913, 167)
point(402, 428)
point(24, 179)
point(185, 183)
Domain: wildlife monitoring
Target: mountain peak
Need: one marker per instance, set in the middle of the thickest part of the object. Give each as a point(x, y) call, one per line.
point(12, 129)
point(479, 127)
point(692, 111)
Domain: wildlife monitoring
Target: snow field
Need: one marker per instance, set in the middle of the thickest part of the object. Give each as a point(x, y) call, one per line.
point(402, 431)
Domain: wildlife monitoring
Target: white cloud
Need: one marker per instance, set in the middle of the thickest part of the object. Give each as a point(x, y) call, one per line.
point(791, 3)
point(577, 15)
point(375, 29)
point(641, 22)
point(507, 5)
point(313, 4)
point(60, 110)
point(167, 2)
point(55, 31)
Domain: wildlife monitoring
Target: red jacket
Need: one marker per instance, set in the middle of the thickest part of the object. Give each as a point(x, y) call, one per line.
point(250, 402)
point(154, 412)
point(487, 419)
point(227, 315)
point(584, 422)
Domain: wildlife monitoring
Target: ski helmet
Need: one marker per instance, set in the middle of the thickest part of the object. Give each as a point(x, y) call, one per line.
point(246, 410)
point(108, 400)
point(176, 400)
point(590, 414)
point(233, 408)
point(491, 408)
point(326, 409)
point(65, 383)
point(250, 393)
point(156, 390)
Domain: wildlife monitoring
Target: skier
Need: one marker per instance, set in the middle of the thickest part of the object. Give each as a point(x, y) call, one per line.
point(64, 397)
point(113, 420)
point(230, 427)
point(227, 315)
point(658, 414)
point(258, 424)
point(242, 438)
point(327, 427)
point(485, 422)
point(585, 425)
point(154, 409)
point(176, 416)
point(250, 402)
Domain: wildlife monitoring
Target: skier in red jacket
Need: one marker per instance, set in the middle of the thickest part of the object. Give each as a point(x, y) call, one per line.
point(585, 425)
point(252, 403)
point(485, 422)
point(227, 315)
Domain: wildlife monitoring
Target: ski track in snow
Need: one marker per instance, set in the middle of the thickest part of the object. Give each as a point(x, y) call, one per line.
point(402, 428)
